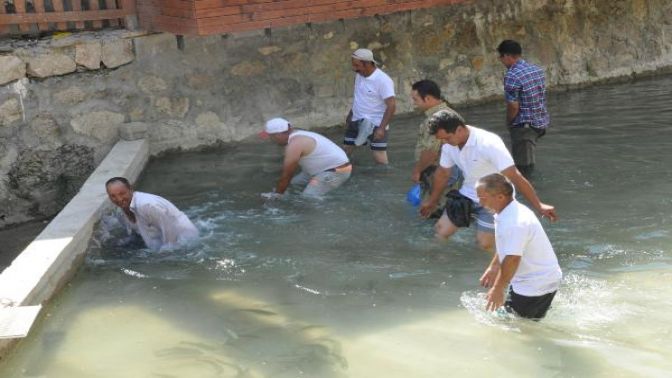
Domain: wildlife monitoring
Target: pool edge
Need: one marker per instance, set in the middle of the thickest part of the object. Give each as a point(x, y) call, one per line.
point(52, 258)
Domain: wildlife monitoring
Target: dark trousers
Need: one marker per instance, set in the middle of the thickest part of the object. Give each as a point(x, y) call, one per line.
point(523, 147)
point(529, 307)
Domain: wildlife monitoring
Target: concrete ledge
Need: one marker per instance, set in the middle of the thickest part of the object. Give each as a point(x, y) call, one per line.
point(53, 257)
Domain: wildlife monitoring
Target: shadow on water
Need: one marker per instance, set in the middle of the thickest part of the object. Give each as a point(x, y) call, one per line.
point(357, 286)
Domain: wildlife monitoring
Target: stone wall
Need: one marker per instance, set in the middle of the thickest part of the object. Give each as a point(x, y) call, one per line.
point(63, 101)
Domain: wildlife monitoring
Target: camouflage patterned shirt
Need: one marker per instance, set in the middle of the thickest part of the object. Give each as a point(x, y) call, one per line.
point(426, 141)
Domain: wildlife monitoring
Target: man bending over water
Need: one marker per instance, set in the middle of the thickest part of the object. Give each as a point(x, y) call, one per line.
point(160, 224)
point(324, 165)
point(524, 258)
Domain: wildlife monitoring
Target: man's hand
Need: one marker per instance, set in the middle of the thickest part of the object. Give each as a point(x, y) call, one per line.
point(489, 276)
point(427, 208)
point(548, 211)
point(415, 176)
point(379, 133)
point(495, 299)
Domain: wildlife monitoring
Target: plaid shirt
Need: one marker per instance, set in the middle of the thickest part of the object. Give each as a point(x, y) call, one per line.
point(525, 84)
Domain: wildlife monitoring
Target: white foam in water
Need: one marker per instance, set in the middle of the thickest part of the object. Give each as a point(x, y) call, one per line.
point(587, 303)
point(307, 289)
point(475, 302)
point(582, 302)
point(133, 273)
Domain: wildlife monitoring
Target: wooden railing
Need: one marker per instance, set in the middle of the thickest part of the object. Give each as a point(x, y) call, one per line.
point(37, 16)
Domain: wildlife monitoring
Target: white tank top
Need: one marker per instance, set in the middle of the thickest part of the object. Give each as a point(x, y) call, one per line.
point(326, 155)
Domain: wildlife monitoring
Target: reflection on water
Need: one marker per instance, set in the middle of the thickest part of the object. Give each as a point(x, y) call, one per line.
point(356, 286)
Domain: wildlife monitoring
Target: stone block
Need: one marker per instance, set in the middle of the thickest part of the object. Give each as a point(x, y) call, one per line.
point(176, 107)
point(117, 52)
point(70, 96)
point(102, 125)
point(152, 84)
point(88, 54)
point(51, 64)
point(133, 130)
point(41, 133)
point(11, 68)
point(247, 68)
point(268, 50)
point(154, 46)
point(10, 112)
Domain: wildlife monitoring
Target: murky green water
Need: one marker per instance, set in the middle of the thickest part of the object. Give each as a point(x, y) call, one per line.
point(357, 287)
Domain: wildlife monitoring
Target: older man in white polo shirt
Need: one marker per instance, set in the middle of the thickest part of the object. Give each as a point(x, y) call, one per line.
point(525, 258)
point(372, 109)
point(324, 165)
point(477, 153)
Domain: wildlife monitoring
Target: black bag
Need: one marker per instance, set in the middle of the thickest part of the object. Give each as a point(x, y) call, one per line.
point(458, 208)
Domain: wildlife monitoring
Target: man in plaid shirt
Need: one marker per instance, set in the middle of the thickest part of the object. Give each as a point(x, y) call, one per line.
point(526, 114)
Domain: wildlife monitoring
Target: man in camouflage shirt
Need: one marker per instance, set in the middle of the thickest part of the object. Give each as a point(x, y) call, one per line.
point(426, 96)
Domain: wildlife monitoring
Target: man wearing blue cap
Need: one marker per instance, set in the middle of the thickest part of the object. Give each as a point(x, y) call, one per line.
point(372, 109)
point(324, 165)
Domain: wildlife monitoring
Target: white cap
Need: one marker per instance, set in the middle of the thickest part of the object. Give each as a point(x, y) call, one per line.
point(364, 55)
point(275, 126)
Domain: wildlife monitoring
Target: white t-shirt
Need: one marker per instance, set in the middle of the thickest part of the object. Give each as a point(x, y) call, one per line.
point(518, 232)
point(326, 154)
point(370, 95)
point(483, 154)
point(160, 223)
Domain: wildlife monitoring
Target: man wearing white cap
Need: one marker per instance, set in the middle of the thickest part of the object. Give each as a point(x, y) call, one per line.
point(373, 106)
point(324, 165)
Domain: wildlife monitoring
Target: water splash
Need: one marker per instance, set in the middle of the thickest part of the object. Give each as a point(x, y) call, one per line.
point(475, 302)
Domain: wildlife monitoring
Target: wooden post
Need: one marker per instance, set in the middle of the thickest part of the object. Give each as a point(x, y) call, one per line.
point(112, 4)
point(131, 20)
point(4, 29)
point(94, 6)
point(58, 7)
point(39, 8)
point(76, 7)
point(20, 6)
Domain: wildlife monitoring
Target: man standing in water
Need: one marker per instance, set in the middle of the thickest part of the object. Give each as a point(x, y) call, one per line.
point(525, 258)
point(427, 98)
point(476, 152)
point(324, 165)
point(373, 106)
point(526, 114)
point(160, 224)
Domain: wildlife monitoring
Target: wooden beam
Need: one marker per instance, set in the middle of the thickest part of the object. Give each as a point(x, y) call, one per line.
point(31, 18)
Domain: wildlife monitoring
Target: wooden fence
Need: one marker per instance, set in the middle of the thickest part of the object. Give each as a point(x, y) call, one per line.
point(36, 16)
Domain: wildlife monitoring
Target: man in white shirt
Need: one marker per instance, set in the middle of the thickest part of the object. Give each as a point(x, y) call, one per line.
point(372, 109)
point(160, 224)
point(324, 165)
point(525, 258)
point(477, 153)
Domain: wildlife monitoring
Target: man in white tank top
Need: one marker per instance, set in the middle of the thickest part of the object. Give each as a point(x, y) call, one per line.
point(324, 165)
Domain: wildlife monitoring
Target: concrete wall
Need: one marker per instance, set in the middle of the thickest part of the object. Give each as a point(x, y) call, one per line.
point(204, 90)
